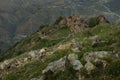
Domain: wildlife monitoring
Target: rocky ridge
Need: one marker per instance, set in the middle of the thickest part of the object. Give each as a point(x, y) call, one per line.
point(19, 18)
point(89, 53)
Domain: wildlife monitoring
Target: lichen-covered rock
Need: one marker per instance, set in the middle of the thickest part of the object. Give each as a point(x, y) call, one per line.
point(9, 64)
point(73, 58)
point(3, 66)
point(55, 66)
point(77, 65)
point(32, 54)
point(43, 50)
point(95, 40)
point(38, 54)
point(75, 23)
point(96, 56)
point(64, 46)
point(13, 64)
point(60, 64)
point(102, 19)
point(89, 66)
point(76, 47)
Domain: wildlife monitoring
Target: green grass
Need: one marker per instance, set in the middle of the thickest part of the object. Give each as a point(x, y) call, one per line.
point(34, 42)
point(108, 33)
point(34, 69)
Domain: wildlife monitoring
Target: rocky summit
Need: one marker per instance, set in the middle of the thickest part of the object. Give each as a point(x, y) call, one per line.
point(76, 23)
point(73, 48)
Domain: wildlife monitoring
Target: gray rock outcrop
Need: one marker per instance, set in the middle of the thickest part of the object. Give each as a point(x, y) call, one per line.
point(89, 66)
point(55, 66)
point(73, 58)
point(96, 56)
point(60, 64)
point(75, 22)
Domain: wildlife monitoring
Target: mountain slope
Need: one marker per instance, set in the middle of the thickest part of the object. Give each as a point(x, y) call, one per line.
point(55, 52)
point(21, 17)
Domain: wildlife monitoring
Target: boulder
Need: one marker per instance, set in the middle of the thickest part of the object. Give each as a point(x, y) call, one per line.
point(102, 19)
point(38, 54)
point(60, 64)
point(55, 66)
point(77, 65)
point(89, 66)
point(26, 59)
point(43, 50)
point(64, 46)
point(96, 56)
point(73, 58)
point(35, 54)
point(76, 47)
point(95, 40)
point(32, 54)
point(5, 65)
point(13, 64)
point(21, 60)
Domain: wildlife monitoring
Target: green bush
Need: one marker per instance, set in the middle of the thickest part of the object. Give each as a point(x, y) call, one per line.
point(93, 22)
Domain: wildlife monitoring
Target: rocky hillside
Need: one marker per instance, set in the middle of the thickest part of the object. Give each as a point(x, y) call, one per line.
point(70, 49)
point(19, 18)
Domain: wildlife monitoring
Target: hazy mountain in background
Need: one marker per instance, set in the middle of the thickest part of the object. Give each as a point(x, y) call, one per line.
point(19, 18)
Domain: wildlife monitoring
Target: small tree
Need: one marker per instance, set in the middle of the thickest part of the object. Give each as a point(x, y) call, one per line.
point(93, 22)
